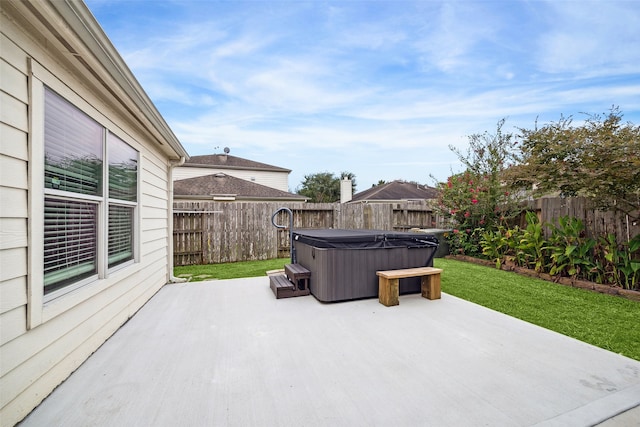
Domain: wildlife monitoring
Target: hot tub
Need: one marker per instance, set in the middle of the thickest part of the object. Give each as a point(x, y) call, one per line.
point(343, 263)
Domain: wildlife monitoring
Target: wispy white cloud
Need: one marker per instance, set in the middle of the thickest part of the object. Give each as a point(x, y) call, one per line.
point(452, 34)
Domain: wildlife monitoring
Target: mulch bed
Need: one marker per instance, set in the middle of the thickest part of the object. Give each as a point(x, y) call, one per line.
point(568, 281)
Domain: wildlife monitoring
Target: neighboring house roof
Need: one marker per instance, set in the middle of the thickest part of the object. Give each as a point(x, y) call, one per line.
point(226, 161)
point(394, 191)
point(220, 186)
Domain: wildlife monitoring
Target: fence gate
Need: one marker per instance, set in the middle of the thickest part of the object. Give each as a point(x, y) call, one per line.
point(188, 238)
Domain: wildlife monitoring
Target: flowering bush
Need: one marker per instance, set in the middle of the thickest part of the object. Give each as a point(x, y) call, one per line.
point(466, 199)
point(476, 200)
point(474, 204)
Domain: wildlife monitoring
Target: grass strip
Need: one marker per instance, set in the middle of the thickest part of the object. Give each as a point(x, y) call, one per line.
point(605, 321)
point(231, 270)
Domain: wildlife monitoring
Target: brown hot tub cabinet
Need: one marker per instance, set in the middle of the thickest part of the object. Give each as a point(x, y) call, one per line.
point(343, 263)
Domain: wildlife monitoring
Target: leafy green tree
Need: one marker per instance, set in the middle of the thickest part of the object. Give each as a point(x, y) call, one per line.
point(324, 187)
point(598, 159)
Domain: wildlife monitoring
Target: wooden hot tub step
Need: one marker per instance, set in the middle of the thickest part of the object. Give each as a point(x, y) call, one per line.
point(282, 287)
point(298, 275)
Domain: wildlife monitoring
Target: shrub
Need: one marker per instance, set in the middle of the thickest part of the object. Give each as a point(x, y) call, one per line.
point(567, 252)
point(616, 263)
point(530, 249)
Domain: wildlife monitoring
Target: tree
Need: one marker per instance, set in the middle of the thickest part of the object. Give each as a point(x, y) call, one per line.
point(324, 187)
point(599, 159)
point(476, 199)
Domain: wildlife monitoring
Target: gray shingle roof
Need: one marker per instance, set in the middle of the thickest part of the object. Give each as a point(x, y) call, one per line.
point(221, 184)
point(226, 161)
point(396, 190)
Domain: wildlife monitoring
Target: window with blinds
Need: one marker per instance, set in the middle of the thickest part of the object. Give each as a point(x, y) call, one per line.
point(123, 170)
point(120, 234)
point(79, 192)
point(123, 186)
point(73, 148)
point(70, 242)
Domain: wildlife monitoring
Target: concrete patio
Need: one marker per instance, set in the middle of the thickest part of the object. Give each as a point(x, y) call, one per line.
point(227, 353)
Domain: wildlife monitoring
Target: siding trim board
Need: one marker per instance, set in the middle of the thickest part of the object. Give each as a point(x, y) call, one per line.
point(35, 279)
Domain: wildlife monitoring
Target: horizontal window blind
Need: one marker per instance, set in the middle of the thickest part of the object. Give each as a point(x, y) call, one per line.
point(70, 241)
point(120, 234)
point(73, 148)
point(123, 170)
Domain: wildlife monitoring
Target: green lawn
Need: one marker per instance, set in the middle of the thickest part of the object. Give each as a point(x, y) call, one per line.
point(605, 321)
point(231, 270)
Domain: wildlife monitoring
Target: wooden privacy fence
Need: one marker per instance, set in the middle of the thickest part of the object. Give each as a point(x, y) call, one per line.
point(216, 232)
point(597, 222)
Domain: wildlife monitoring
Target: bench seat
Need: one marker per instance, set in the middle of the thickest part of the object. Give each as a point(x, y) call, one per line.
point(389, 289)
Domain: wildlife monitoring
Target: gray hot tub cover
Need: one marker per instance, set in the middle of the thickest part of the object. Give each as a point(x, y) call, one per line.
point(362, 239)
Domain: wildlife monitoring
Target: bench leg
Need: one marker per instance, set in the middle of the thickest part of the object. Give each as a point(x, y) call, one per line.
point(430, 286)
point(388, 291)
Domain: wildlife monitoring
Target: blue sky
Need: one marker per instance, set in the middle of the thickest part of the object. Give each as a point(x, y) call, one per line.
point(376, 88)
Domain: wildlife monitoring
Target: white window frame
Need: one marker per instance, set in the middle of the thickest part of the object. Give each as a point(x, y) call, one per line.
point(41, 307)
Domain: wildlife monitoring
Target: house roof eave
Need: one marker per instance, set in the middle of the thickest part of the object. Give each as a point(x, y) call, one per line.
point(248, 168)
point(89, 50)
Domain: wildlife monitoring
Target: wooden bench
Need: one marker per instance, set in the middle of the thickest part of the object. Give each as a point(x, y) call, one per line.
point(389, 289)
